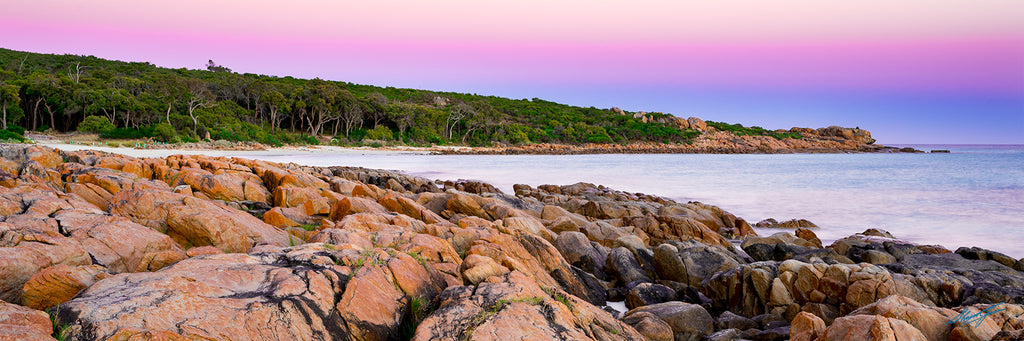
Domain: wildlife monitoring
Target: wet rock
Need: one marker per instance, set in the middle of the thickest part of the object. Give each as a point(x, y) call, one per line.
point(726, 335)
point(648, 293)
point(650, 326)
point(688, 321)
point(578, 251)
point(983, 254)
point(766, 320)
point(622, 264)
point(826, 312)
point(760, 252)
point(808, 235)
point(950, 279)
point(773, 334)
point(729, 320)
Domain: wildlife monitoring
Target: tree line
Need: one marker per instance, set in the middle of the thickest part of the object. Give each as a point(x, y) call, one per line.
point(39, 92)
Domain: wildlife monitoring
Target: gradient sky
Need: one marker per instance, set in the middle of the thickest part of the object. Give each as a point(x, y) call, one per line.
point(915, 71)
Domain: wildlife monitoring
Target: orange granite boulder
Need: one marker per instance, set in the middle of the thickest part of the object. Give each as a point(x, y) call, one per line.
point(196, 222)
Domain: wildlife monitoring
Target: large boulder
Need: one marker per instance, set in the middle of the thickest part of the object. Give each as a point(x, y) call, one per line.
point(697, 124)
point(514, 307)
point(21, 323)
point(117, 243)
point(227, 185)
point(691, 262)
point(648, 293)
point(579, 252)
point(24, 252)
point(58, 284)
point(650, 326)
point(622, 264)
point(301, 293)
point(536, 257)
point(869, 328)
point(688, 321)
point(806, 327)
point(932, 321)
point(192, 221)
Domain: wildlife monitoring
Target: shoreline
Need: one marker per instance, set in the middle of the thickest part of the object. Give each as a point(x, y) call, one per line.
point(146, 230)
point(531, 149)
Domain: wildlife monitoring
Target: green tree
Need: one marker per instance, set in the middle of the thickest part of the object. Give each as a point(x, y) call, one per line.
point(402, 114)
point(8, 98)
point(109, 101)
point(95, 124)
point(198, 96)
point(375, 102)
point(324, 100)
point(276, 104)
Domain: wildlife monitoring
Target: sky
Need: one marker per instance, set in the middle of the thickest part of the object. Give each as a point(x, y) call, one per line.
point(913, 71)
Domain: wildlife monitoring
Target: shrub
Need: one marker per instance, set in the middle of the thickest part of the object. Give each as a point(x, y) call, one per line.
point(164, 132)
point(8, 135)
point(14, 128)
point(380, 133)
point(127, 133)
point(95, 124)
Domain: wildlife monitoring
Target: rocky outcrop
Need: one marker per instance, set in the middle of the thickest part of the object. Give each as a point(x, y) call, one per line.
point(211, 248)
point(711, 141)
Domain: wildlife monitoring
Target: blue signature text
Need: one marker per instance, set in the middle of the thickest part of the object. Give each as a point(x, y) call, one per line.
point(967, 318)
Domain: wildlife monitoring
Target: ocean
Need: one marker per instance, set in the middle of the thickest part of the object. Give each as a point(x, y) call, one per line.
point(973, 196)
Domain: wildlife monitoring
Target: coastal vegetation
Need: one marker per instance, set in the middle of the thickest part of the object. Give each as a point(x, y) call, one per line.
point(116, 99)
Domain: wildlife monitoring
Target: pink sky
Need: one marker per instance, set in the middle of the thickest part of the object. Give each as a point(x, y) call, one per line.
point(933, 48)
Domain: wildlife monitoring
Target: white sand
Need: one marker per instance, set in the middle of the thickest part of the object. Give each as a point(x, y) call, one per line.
point(320, 150)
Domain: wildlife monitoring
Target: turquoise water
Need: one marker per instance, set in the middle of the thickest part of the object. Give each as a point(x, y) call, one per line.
point(973, 196)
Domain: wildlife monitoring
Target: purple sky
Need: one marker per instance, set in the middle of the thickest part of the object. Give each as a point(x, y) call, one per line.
point(917, 71)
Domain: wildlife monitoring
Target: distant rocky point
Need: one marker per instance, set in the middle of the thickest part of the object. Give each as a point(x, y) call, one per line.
point(831, 139)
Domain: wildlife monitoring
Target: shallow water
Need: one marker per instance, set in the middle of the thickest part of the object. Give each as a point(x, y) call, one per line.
point(973, 196)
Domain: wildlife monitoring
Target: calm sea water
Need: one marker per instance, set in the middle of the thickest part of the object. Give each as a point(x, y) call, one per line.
point(973, 196)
